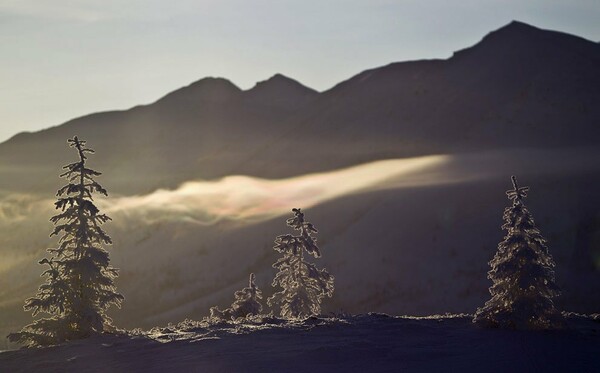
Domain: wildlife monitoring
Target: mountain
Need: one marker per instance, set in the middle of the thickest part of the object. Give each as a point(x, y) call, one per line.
point(197, 131)
point(519, 87)
point(411, 236)
point(280, 91)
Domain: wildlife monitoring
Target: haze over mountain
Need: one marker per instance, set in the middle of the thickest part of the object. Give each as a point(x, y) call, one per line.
point(407, 240)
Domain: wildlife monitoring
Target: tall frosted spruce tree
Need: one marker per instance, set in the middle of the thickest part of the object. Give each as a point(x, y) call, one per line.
point(79, 284)
point(303, 285)
point(522, 274)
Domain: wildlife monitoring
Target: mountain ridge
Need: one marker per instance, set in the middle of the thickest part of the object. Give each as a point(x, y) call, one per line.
point(511, 89)
point(280, 91)
point(209, 89)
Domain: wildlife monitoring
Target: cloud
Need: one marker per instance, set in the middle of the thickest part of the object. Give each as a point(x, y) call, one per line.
point(245, 198)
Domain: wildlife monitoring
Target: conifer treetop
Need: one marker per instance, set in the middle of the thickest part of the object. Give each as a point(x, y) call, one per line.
point(517, 193)
point(251, 281)
point(305, 241)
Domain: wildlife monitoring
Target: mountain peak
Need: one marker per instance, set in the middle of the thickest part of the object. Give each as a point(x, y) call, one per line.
point(280, 82)
point(213, 81)
point(521, 39)
point(518, 26)
point(279, 90)
point(515, 29)
point(280, 77)
point(206, 89)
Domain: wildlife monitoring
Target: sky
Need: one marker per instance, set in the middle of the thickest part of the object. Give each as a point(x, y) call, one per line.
point(61, 59)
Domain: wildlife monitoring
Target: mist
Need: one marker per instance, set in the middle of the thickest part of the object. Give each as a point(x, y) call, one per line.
point(251, 199)
point(246, 199)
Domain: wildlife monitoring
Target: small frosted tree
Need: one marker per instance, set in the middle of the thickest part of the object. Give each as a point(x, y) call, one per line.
point(247, 303)
point(79, 284)
point(522, 274)
point(303, 285)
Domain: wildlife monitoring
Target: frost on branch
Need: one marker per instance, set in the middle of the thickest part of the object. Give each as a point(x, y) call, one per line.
point(246, 303)
point(522, 274)
point(79, 285)
point(303, 285)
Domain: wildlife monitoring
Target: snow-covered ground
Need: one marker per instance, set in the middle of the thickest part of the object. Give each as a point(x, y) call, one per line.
point(372, 343)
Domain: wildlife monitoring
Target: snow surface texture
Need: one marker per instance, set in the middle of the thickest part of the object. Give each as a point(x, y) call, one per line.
point(373, 343)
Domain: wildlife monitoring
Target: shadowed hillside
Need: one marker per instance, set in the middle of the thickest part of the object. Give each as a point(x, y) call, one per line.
point(519, 87)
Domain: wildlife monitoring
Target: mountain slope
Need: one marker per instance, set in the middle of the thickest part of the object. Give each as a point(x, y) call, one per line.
point(519, 87)
point(196, 131)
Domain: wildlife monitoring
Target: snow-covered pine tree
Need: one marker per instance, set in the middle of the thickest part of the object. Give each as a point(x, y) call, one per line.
point(522, 274)
point(246, 303)
point(79, 281)
point(247, 300)
point(303, 285)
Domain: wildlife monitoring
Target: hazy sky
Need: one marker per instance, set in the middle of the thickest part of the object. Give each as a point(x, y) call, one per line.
point(65, 58)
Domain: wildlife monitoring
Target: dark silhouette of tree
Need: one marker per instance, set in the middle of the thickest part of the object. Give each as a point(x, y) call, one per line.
point(247, 303)
point(522, 274)
point(79, 284)
point(303, 285)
